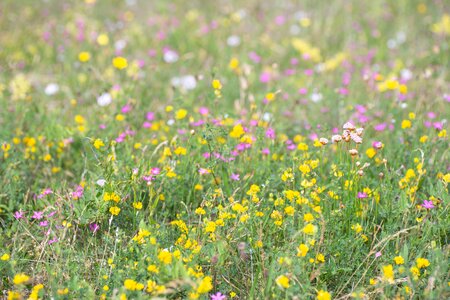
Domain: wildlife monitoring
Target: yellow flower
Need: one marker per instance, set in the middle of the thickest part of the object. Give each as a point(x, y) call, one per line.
point(180, 114)
point(205, 286)
point(98, 143)
point(415, 271)
point(21, 278)
point(323, 295)
point(5, 257)
point(102, 39)
point(423, 139)
point(308, 217)
point(406, 124)
point(399, 260)
point(120, 62)
point(302, 250)
point(84, 56)
point(165, 257)
point(137, 205)
point(309, 229)
point(422, 262)
point(210, 227)
point(153, 269)
point(304, 168)
point(216, 84)
point(237, 131)
point(13, 295)
point(388, 273)
point(283, 281)
point(114, 210)
point(371, 152)
point(132, 285)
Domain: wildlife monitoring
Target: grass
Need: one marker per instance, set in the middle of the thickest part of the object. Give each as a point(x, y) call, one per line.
point(206, 150)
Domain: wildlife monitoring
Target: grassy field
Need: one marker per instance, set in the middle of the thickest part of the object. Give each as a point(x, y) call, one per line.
point(224, 149)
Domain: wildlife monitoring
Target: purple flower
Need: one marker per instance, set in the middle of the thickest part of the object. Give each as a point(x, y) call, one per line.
point(19, 214)
point(378, 254)
point(235, 177)
point(270, 133)
point(94, 227)
point(218, 296)
point(43, 223)
point(428, 204)
point(54, 240)
point(362, 195)
point(37, 215)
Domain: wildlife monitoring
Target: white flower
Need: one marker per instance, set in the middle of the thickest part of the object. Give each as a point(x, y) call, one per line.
point(233, 41)
point(105, 99)
point(101, 182)
point(51, 89)
point(170, 122)
point(336, 138)
point(359, 131)
point(267, 116)
point(323, 141)
point(356, 138)
point(120, 44)
point(316, 97)
point(349, 126)
point(353, 152)
point(188, 82)
point(170, 56)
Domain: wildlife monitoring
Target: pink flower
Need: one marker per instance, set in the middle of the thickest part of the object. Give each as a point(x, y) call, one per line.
point(19, 214)
point(37, 215)
point(234, 177)
point(378, 254)
point(362, 195)
point(218, 296)
point(428, 204)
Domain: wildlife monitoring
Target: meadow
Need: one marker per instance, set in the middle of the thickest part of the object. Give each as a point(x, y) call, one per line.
point(224, 149)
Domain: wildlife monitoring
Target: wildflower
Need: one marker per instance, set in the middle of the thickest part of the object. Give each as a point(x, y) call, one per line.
point(399, 260)
point(21, 278)
point(132, 285)
point(114, 210)
point(282, 281)
point(165, 257)
point(371, 152)
point(94, 227)
point(234, 177)
point(388, 273)
point(120, 63)
point(309, 229)
point(5, 257)
point(180, 114)
point(428, 204)
point(406, 124)
point(422, 262)
point(302, 250)
point(218, 296)
point(38, 215)
point(323, 295)
point(84, 56)
point(19, 214)
point(205, 285)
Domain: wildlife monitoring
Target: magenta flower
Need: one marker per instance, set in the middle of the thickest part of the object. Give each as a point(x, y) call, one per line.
point(19, 214)
point(37, 215)
point(218, 296)
point(428, 204)
point(270, 133)
point(94, 227)
point(362, 195)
